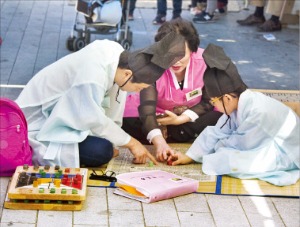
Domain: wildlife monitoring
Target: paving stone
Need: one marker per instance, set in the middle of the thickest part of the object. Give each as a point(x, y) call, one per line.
point(55, 218)
point(260, 211)
point(188, 219)
point(192, 202)
point(17, 216)
point(162, 213)
point(134, 218)
point(227, 211)
point(289, 210)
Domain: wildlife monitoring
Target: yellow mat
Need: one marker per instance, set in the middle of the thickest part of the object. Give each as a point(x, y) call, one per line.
point(222, 185)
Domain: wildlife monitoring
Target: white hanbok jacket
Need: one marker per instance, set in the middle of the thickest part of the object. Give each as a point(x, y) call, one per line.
point(261, 140)
point(71, 99)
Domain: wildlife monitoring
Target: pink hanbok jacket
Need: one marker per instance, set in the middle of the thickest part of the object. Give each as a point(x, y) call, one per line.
point(169, 93)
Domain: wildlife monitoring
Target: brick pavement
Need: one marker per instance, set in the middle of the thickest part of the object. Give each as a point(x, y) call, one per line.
point(34, 35)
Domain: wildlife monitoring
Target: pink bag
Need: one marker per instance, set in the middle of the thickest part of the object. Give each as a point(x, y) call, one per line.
point(14, 146)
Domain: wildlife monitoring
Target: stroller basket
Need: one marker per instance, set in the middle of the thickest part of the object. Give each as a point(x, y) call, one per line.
point(98, 17)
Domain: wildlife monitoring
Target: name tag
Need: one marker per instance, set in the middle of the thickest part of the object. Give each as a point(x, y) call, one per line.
point(193, 94)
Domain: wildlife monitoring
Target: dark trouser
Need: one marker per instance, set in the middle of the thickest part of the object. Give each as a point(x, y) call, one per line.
point(187, 132)
point(162, 8)
point(131, 7)
point(94, 151)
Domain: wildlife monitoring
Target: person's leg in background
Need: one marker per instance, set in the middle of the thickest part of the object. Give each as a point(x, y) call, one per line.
point(193, 9)
point(131, 9)
point(161, 12)
point(94, 151)
point(274, 7)
point(222, 6)
point(257, 17)
point(177, 8)
point(197, 6)
point(208, 14)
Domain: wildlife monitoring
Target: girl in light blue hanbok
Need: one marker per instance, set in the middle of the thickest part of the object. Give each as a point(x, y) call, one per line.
point(257, 137)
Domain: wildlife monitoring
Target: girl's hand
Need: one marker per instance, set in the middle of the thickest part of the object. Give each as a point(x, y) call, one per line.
point(162, 149)
point(179, 159)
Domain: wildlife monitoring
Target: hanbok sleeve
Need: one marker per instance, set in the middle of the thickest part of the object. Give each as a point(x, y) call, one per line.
point(203, 106)
point(78, 113)
point(206, 141)
point(147, 108)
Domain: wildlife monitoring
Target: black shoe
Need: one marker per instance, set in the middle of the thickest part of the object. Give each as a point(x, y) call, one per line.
point(251, 20)
point(270, 26)
point(176, 16)
point(203, 17)
point(159, 20)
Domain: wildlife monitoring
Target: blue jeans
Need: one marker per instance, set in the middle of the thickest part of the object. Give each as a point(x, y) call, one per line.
point(94, 151)
point(162, 8)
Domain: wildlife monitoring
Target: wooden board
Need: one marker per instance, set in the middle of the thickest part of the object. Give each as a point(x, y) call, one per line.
point(220, 185)
point(123, 164)
point(290, 98)
point(47, 188)
point(31, 205)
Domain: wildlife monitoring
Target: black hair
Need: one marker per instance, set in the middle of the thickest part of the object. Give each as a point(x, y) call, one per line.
point(123, 60)
point(182, 27)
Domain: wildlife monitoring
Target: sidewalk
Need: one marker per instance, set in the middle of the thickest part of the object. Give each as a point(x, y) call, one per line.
point(34, 34)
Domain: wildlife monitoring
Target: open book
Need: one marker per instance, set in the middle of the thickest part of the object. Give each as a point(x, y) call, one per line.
point(154, 185)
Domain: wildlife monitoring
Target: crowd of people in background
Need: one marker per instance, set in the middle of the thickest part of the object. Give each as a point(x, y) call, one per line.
point(204, 11)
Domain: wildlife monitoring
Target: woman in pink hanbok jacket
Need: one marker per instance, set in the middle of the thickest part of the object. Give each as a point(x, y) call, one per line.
point(176, 108)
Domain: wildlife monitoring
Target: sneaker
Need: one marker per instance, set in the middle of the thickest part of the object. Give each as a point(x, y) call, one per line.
point(269, 26)
point(202, 18)
point(159, 20)
point(251, 20)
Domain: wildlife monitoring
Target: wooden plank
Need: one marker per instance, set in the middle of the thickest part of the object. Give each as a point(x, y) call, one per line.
point(32, 205)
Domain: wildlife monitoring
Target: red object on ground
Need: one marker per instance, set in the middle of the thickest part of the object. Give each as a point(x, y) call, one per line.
point(169, 163)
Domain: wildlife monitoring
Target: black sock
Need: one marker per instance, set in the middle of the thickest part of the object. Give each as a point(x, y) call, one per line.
point(259, 11)
point(275, 19)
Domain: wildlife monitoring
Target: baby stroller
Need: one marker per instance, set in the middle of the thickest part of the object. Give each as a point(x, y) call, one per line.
point(102, 17)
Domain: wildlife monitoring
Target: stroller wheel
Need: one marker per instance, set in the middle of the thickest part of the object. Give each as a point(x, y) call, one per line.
point(69, 43)
point(78, 43)
point(125, 44)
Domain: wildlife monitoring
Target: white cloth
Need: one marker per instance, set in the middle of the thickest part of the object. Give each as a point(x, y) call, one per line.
point(261, 140)
point(71, 99)
point(110, 13)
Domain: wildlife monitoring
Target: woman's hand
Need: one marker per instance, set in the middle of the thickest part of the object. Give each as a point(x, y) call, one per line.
point(173, 119)
point(139, 151)
point(162, 149)
point(179, 159)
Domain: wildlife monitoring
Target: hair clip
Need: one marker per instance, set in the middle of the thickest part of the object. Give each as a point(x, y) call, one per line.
point(107, 176)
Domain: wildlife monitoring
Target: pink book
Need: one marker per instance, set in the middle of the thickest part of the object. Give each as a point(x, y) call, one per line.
point(154, 185)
